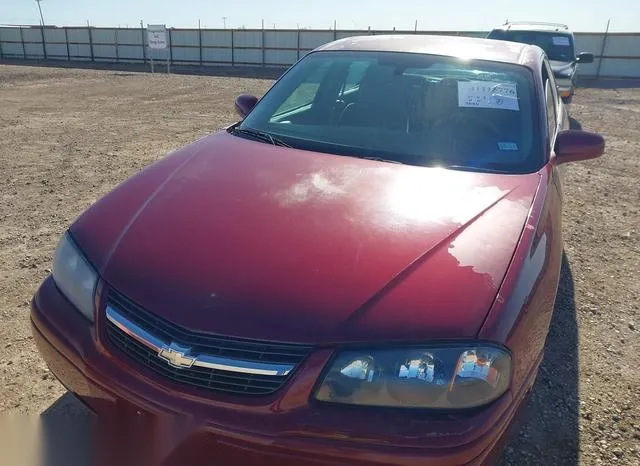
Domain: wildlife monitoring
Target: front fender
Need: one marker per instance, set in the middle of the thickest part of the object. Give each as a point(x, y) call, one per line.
point(521, 314)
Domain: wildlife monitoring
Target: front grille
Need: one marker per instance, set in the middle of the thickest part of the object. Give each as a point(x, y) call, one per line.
point(201, 343)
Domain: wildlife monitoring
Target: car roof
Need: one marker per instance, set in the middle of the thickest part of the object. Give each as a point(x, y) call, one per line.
point(451, 46)
point(534, 26)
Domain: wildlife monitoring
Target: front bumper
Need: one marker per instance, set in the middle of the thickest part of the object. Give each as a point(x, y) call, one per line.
point(143, 420)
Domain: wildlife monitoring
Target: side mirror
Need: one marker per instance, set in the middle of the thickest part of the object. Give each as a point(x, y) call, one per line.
point(573, 145)
point(584, 57)
point(244, 104)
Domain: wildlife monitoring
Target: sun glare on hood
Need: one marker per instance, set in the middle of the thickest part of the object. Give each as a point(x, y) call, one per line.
point(436, 196)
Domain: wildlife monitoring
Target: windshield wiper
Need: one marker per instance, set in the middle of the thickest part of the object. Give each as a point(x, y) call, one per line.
point(474, 169)
point(380, 159)
point(260, 136)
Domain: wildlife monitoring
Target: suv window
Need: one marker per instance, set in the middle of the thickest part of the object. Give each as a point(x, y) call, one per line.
point(557, 45)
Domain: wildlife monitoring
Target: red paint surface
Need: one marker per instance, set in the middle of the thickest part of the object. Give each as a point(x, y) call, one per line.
point(253, 240)
point(283, 429)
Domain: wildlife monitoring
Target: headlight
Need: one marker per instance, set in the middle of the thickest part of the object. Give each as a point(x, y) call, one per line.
point(74, 276)
point(427, 377)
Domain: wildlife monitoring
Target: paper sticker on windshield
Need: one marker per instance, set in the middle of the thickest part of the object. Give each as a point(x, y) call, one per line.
point(507, 146)
point(561, 40)
point(487, 94)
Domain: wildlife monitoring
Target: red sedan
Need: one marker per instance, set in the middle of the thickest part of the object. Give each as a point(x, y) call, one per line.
point(361, 271)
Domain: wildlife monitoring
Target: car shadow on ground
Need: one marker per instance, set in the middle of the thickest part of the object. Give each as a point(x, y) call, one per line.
point(67, 433)
point(549, 425)
point(609, 83)
point(254, 72)
point(574, 124)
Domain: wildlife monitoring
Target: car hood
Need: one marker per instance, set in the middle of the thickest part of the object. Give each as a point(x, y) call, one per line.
point(246, 239)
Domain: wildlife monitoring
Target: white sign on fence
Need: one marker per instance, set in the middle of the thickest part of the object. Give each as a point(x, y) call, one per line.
point(157, 36)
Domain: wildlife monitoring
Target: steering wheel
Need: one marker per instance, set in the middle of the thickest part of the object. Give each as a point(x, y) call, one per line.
point(456, 119)
point(457, 122)
point(345, 111)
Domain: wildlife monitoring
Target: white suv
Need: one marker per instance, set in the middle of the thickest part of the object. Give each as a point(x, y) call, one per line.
point(558, 43)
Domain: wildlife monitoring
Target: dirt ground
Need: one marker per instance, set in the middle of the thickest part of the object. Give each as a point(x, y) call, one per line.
point(67, 136)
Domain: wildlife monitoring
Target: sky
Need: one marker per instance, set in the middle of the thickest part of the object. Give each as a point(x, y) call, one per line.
point(468, 15)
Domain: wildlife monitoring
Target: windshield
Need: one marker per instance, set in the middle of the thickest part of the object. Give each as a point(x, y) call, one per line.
point(557, 46)
point(406, 108)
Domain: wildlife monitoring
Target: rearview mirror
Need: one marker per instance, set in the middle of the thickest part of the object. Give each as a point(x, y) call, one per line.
point(585, 57)
point(245, 103)
point(573, 145)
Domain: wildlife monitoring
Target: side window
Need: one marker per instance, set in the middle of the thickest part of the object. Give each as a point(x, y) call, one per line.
point(306, 91)
point(357, 69)
point(552, 81)
point(551, 96)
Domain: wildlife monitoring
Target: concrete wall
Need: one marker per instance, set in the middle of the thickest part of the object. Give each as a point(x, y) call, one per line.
point(620, 56)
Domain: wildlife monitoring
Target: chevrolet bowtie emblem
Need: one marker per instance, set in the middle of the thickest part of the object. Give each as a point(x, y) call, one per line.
point(177, 356)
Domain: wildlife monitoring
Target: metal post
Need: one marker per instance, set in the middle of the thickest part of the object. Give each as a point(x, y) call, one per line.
point(44, 44)
point(116, 44)
point(93, 58)
point(144, 49)
point(233, 51)
point(150, 55)
point(335, 31)
point(263, 50)
point(170, 54)
point(604, 44)
point(298, 46)
point(40, 9)
point(66, 40)
point(24, 50)
point(200, 41)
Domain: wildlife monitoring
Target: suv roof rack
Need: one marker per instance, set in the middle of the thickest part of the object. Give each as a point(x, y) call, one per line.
point(535, 23)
